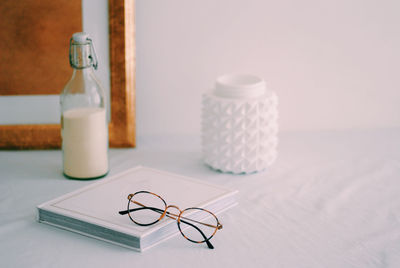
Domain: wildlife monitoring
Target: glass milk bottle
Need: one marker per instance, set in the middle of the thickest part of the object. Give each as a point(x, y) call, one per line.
point(84, 127)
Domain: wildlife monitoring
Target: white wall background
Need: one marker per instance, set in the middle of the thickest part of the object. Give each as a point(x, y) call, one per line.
point(334, 64)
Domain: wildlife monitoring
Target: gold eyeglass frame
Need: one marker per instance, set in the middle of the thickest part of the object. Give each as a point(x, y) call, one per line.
point(178, 217)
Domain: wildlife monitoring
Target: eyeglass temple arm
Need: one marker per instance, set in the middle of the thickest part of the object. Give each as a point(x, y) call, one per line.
point(123, 212)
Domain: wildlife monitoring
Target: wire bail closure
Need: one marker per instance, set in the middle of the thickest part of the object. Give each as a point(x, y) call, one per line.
point(92, 56)
point(94, 59)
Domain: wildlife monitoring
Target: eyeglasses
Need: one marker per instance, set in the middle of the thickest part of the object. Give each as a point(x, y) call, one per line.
point(197, 225)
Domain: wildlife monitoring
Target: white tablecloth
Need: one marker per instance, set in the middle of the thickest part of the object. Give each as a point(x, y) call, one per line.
point(332, 199)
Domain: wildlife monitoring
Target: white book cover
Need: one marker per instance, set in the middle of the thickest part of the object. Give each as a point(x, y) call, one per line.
point(93, 210)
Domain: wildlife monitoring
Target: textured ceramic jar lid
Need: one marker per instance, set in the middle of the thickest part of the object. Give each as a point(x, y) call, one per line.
point(239, 86)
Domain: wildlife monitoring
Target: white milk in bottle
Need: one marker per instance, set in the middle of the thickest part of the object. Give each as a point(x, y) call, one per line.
point(85, 142)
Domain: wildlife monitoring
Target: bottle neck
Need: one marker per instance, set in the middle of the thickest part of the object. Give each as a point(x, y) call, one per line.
point(82, 72)
point(80, 56)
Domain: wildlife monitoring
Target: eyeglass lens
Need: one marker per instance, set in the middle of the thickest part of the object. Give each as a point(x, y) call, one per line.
point(145, 208)
point(193, 219)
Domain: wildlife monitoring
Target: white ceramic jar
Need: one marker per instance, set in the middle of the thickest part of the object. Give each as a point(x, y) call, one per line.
point(239, 125)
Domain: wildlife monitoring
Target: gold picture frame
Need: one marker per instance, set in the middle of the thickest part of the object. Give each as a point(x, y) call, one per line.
point(122, 72)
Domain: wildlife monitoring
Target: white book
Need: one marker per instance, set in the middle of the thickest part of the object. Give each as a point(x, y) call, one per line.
point(93, 210)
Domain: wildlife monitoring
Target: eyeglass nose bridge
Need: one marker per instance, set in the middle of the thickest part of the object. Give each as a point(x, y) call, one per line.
point(171, 215)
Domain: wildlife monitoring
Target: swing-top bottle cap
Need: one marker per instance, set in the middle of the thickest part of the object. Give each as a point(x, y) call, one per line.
point(79, 57)
point(81, 37)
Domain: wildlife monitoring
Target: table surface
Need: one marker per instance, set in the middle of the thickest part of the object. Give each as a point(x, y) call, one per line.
point(332, 199)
